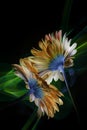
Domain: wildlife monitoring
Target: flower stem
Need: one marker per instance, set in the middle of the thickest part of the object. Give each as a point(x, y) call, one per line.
point(30, 121)
point(70, 94)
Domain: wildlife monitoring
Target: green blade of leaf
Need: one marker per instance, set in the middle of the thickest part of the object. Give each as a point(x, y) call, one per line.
point(35, 125)
point(80, 62)
point(80, 35)
point(29, 122)
point(66, 15)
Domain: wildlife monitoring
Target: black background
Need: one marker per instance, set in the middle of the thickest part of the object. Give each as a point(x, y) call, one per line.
point(22, 26)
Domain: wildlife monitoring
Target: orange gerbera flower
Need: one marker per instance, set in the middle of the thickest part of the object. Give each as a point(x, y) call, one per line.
point(46, 97)
point(54, 55)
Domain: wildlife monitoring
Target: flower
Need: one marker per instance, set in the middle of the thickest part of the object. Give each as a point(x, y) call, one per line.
point(54, 55)
point(46, 97)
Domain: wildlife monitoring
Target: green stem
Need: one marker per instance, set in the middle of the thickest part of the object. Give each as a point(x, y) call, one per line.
point(30, 121)
point(83, 31)
point(35, 125)
point(77, 114)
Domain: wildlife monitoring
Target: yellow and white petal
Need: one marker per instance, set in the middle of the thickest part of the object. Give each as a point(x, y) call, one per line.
point(72, 47)
point(50, 78)
point(26, 70)
point(56, 76)
point(36, 102)
point(31, 97)
point(73, 52)
point(60, 76)
point(60, 102)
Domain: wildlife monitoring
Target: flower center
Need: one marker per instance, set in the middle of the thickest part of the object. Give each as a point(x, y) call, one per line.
point(57, 63)
point(35, 89)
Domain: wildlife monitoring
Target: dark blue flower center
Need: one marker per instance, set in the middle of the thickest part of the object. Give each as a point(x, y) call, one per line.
point(35, 88)
point(56, 63)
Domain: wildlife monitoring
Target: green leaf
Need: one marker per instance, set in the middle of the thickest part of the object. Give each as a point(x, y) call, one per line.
point(11, 86)
point(35, 125)
point(81, 36)
point(66, 15)
point(80, 62)
point(30, 121)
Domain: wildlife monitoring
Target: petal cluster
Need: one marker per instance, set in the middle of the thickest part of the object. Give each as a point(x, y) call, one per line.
point(55, 51)
point(46, 97)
